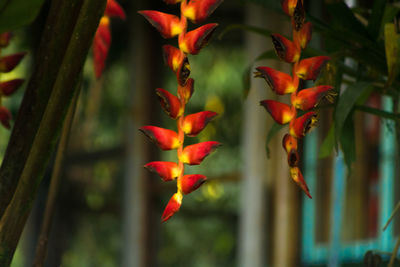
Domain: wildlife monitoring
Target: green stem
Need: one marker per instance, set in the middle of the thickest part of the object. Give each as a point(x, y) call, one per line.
point(14, 218)
point(55, 181)
point(62, 19)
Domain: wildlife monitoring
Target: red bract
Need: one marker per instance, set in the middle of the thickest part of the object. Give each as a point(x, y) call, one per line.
point(168, 25)
point(309, 98)
point(170, 103)
point(176, 59)
point(185, 92)
point(173, 206)
point(280, 112)
point(195, 40)
point(166, 139)
point(8, 63)
point(198, 10)
point(168, 171)
point(7, 88)
point(102, 38)
point(101, 45)
point(303, 36)
point(195, 154)
point(297, 176)
point(5, 117)
point(309, 68)
point(5, 39)
point(286, 50)
point(281, 83)
point(191, 182)
point(195, 123)
point(113, 9)
point(300, 126)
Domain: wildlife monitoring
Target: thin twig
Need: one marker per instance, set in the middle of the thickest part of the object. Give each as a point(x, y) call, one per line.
point(396, 209)
point(393, 257)
point(41, 247)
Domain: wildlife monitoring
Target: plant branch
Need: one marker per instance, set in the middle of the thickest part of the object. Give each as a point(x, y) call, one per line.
point(62, 18)
point(41, 248)
point(17, 211)
point(396, 209)
point(394, 253)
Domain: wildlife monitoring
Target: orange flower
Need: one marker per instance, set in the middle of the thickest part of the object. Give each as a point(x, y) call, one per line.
point(286, 50)
point(168, 25)
point(8, 63)
point(170, 103)
point(7, 88)
point(195, 40)
point(309, 98)
point(309, 68)
point(191, 182)
point(297, 176)
point(113, 9)
point(172, 207)
point(300, 126)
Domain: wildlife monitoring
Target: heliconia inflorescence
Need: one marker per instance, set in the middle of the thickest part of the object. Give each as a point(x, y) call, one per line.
point(282, 83)
point(102, 38)
point(7, 88)
point(174, 105)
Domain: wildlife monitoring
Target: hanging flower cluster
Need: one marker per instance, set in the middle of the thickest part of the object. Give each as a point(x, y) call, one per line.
point(282, 83)
point(102, 38)
point(190, 42)
point(7, 88)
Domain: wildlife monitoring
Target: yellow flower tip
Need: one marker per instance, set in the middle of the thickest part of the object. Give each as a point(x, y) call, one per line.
point(183, 47)
point(187, 128)
point(184, 158)
point(189, 13)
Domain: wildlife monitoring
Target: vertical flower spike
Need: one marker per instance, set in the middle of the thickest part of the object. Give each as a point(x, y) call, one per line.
point(197, 11)
point(187, 125)
point(102, 38)
point(282, 83)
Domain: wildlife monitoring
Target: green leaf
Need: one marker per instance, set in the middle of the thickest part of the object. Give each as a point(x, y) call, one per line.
point(17, 13)
point(262, 31)
point(348, 143)
point(275, 128)
point(328, 144)
point(345, 104)
point(392, 49)
point(375, 20)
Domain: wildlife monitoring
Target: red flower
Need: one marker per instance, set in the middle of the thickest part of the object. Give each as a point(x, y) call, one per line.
point(8, 63)
point(286, 50)
point(113, 9)
point(168, 171)
point(297, 176)
point(198, 10)
point(101, 45)
point(309, 98)
point(7, 88)
point(195, 123)
point(5, 39)
point(300, 126)
point(173, 206)
point(166, 139)
point(195, 40)
point(280, 112)
point(309, 68)
point(168, 25)
point(281, 83)
point(195, 154)
point(170, 103)
point(5, 117)
point(303, 36)
point(186, 91)
point(191, 182)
